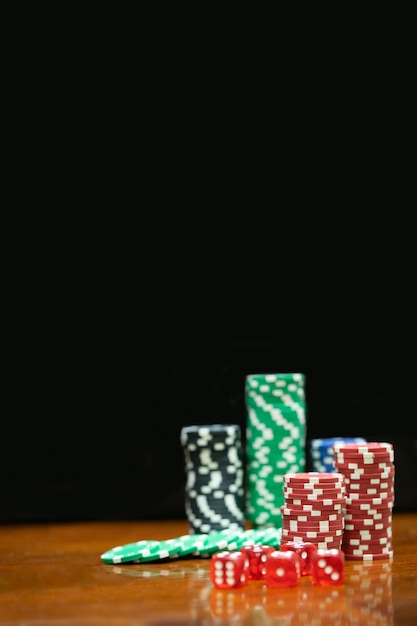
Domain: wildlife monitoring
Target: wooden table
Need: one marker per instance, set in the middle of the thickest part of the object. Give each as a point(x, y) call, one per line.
point(52, 574)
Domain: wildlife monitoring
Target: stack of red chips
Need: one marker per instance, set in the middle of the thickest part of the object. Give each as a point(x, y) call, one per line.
point(369, 470)
point(313, 508)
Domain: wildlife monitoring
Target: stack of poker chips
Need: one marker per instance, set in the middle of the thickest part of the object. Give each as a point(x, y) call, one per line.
point(214, 489)
point(275, 442)
point(314, 508)
point(322, 452)
point(369, 471)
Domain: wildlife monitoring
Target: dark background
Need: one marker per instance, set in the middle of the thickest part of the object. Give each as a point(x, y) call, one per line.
point(94, 431)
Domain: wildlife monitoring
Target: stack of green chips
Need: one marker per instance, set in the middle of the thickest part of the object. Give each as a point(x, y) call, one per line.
point(275, 442)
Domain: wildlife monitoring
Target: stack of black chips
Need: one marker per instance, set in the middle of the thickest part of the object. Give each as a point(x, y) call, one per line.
point(214, 468)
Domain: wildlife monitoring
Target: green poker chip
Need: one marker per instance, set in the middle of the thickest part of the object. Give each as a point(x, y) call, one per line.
point(269, 536)
point(196, 545)
point(217, 541)
point(128, 552)
point(150, 550)
point(185, 545)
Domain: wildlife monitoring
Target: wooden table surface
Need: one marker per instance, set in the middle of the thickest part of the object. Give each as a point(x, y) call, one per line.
point(52, 574)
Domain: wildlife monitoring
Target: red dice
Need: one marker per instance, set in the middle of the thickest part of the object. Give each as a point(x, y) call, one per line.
point(304, 549)
point(328, 567)
point(229, 569)
point(282, 569)
point(257, 556)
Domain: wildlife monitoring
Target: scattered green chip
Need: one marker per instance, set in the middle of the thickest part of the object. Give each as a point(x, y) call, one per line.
point(128, 552)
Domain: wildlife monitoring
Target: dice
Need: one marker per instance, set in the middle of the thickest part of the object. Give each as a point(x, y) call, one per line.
point(304, 549)
point(328, 567)
point(257, 555)
point(282, 569)
point(229, 569)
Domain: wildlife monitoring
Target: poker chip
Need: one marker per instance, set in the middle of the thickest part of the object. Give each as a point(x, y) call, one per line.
point(325, 504)
point(303, 527)
point(375, 447)
point(128, 552)
point(310, 516)
point(191, 545)
point(361, 542)
point(313, 478)
point(172, 548)
point(369, 476)
point(150, 550)
point(316, 494)
point(322, 452)
point(314, 506)
point(216, 541)
point(275, 442)
point(269, 536)
point(214, 488)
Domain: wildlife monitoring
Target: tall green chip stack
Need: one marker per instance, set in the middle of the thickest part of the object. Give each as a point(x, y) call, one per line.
point(275, 442)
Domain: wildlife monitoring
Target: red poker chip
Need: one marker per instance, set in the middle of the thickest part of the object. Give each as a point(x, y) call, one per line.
point(364, 505)
point(313, 495)
point(313, 477)
point(367, 456)
point(369, 492)
point(358, 504)
point(355, 503)
point(323, 526)
point(300, 516)
point(328, 504)
point(353, 496)
point(349, 526)
point(358, 526)
point(356, 542)
point(368, 446)
point(379, 517)
point(341, 487)
point(333, 517)
point(370, 472)
point(378, 550)
point(328, 545)
point(359, 465)
point(309, 487)
point(297, 527)
point(309, 535)
point(366, 547)
point(363, 487)
point(368, 481)
point(369, 488)
point(298, 484)
point(331, 543)
point(381, 501)
point(300, 508)
point(313, 508)
point(365, 529)
point(369, 520)
point(364, 454)
point(311, 513)
point(365, 535)
point(346, 464)
point(369, 478)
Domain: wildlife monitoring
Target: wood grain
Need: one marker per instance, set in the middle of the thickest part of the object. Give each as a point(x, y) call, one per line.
point(52, 574)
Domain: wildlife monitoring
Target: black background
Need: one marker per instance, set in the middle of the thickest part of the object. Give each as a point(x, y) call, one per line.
point(94, 432)
point(168, 240)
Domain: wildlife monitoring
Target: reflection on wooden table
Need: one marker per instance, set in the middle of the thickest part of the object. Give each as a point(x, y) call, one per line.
point(52, 574)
